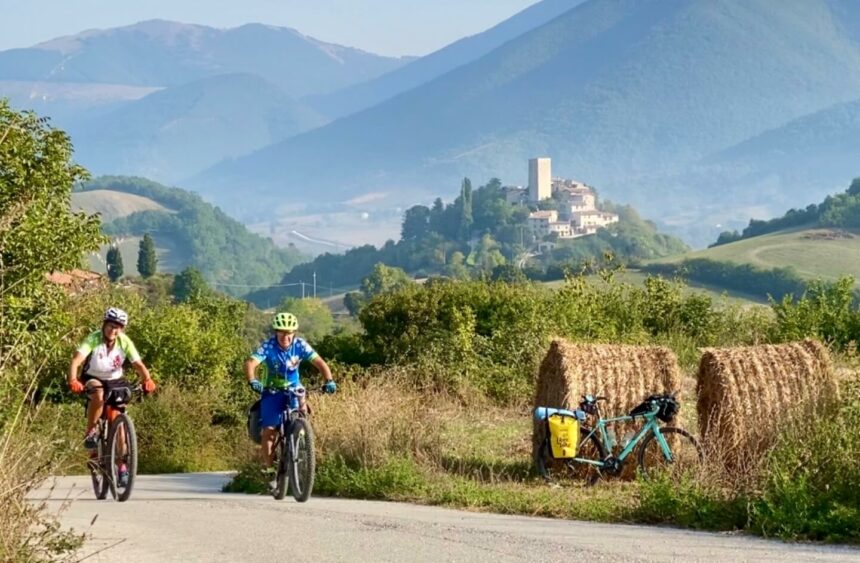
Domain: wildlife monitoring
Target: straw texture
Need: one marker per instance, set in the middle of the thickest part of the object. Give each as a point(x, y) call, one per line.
point(746, 393)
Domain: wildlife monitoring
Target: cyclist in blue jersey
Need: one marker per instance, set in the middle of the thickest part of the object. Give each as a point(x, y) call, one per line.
point(281, 354)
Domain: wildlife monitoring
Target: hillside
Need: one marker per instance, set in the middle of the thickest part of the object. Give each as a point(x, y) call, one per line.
point(165, 53)
point(814, 253)
point(112, 204)
point(366, 94)
point(662, 83)
point(178, 131)
point(191, 232)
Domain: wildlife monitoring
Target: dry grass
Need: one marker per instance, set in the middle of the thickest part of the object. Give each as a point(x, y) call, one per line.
point(368, 422)
point(746, 394)
point(29, 531)
point(625, 374)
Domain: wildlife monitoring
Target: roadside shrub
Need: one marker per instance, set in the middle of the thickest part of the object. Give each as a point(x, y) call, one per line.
point(176, 432)
point(811, 488)
point(825, 310)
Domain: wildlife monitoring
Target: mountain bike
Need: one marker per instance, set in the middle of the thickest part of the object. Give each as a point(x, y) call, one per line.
point(661, 450)
point(294, 456)
point(116, 445)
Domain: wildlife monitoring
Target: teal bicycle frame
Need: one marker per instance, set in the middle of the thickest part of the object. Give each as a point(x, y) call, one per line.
point(651, 425)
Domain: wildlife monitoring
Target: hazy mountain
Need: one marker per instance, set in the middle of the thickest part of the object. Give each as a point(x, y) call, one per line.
point(615, 91)
point(67, 103)
point(367, 94)
point(164, 53)
point(183, 129)
point(788, 166)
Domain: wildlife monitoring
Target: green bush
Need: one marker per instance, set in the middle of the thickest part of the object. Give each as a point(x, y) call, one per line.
point(176, 432)
point(812, 486)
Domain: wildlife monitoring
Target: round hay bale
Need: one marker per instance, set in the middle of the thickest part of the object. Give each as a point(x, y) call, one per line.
point(746, 393)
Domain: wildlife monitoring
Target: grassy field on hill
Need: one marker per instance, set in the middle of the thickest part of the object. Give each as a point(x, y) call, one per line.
point(813, 253)
point(113, 205)
point(168, 259)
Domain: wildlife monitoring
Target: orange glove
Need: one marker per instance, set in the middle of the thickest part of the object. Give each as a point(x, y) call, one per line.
point(149, 385)
point(76, 386)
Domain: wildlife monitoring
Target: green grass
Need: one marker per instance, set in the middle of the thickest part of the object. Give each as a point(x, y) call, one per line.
point(814, 253)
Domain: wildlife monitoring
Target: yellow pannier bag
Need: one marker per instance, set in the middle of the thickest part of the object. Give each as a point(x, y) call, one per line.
point(563, 436)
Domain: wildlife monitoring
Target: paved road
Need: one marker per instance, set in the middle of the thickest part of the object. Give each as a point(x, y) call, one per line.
point(186, 518)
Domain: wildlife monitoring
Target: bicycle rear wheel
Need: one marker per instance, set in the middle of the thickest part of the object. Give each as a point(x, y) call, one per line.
point(302, 459)
point(281, 463)
point(123, 450)
point(98, 470)
point(687, 454)
point(590, 447)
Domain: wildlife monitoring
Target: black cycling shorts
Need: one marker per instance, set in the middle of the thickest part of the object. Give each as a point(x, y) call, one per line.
point(112, 387)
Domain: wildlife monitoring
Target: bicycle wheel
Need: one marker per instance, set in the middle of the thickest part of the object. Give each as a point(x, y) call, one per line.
point(123, 450)
point(687, 454)
point(590, 447)
point(302, 460)
point(281, 463)
point(98, 470)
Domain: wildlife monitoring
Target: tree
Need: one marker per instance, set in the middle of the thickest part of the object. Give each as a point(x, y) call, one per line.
point(416, 223)
point(189, 286)
point(466, 220)
point(457, 266)
point(113, 261)
point(384, 279)
point(146, 259)
point(315, 319)
point(38, 231)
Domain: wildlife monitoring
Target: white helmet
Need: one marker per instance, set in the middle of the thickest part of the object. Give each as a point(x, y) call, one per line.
point(116, 316)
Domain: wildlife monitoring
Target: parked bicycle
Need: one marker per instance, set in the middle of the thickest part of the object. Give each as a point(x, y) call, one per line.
point(294, 457)
point(590, 452)
point(116, 447)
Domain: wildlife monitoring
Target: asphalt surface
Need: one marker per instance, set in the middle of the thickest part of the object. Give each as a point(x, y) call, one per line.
point(186, 518)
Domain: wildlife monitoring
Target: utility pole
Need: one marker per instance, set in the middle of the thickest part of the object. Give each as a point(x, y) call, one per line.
point(303, 289)
point(315, 285)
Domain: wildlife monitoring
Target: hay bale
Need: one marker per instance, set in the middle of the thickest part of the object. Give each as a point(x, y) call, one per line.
point(623, 373)
point(745, 394)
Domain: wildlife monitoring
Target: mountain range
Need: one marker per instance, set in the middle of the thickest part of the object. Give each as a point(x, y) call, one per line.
point(164, 53)
point(625, 94)
point(699, 112)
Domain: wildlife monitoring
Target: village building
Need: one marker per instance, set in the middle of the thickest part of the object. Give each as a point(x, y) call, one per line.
point(577, 213)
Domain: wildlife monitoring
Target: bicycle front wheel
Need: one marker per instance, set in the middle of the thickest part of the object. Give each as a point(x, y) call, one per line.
point(99, 472)
point(685, 454)
point(123, 454)
point(302, 459)
point(282, 465)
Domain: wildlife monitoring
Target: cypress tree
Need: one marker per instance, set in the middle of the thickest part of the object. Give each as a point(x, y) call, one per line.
point(146, 259)
point(114, 263)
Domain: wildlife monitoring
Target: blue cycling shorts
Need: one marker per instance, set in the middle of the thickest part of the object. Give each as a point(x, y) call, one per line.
point(273, 402)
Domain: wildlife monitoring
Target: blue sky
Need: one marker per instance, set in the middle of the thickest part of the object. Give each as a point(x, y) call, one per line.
point(388, 27)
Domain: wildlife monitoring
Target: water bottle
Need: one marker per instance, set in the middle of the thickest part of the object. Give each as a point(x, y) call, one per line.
point(626, 439)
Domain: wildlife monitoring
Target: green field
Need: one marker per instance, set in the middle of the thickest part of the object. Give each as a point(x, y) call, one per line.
point(814, 253)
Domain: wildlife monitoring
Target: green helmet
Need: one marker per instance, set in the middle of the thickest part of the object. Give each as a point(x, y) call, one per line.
point(285, 321)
